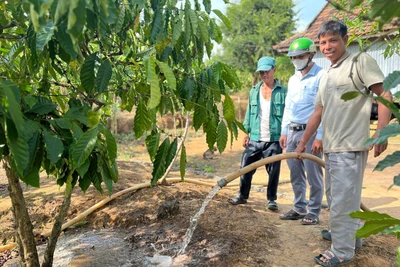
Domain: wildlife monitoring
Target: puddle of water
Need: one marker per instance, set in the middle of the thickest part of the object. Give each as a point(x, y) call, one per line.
point(166, 261)
point(159, 260)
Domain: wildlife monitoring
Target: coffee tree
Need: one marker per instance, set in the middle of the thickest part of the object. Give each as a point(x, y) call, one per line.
point(62, 66)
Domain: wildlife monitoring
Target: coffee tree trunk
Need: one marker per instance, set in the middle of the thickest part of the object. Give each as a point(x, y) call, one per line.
point(56, 231)
point(25, 238)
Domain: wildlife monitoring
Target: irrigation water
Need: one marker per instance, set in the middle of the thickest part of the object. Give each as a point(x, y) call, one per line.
point(195, 219)
point(166, 261)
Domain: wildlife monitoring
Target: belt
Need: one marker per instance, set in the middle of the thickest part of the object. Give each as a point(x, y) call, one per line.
point(296, 128)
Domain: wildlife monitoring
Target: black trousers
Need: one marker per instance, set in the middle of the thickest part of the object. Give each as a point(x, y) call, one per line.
point(254, 152)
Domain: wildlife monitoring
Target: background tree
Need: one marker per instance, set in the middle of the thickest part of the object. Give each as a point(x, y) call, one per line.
point(62, 66)
point(257, 25)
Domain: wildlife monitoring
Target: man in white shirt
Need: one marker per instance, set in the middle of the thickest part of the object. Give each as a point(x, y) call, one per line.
point(302, 90)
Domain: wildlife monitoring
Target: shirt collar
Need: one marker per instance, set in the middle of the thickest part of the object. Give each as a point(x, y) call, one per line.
point(344, 56)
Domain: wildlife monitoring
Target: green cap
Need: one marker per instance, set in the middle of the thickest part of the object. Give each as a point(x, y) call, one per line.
point(265, 64)
point(301, 46)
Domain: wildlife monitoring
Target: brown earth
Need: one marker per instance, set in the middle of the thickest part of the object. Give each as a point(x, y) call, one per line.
point(147, 227)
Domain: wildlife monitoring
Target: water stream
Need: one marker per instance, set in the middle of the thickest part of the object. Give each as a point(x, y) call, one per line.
point(195, 218)
point(167, 261)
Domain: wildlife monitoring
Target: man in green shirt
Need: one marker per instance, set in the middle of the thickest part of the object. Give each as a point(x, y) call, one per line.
point(263, 123)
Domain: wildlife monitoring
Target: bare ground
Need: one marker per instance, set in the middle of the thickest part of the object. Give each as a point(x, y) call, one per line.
point(146, 227)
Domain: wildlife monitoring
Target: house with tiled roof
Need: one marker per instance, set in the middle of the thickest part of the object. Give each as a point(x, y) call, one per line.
point(328, 12)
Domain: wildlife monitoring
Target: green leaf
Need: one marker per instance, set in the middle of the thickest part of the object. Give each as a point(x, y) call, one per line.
point(168, 73)
point(159, 166)
point(111, 11)
point(396, 181)
point(13, 106)
point(383, 10)
point(87, 73)
point(222, 136)
point(84, 183)
point(156, 26)
point(393, 108)
point(120, 20)
point(84, 147)
point(391, 81)
point(155, 94)
point(82, 170)
point(62, 8)
point(240, 125)
point(76, 113)
point(223, 18)
point(176, 31)
point(18, 146)
point(193, 20)
point(188, 32)
point(390, 130)
point(54, 146)
point(171, 152)
point(375, 222)
point(114, 171)
point(182, 162)
point(141, 122)
point(229, 109)
point(77, 131)
point(230, 77)
point(355, 3)
point(35, 13)
point(103, 76)
point(76, 19)
point(210, 128)
point(42, 107)
point(203, 30)
point(187, 89)
point(33, 144)
point(146, 52)
point(152, 142)
point(105, 173)
point(63, 123)
point(388, 161)
point(350, 95)
point(200, 114)
point(233, 129)
point(111, 144)
point(65, 41)
point(216, 32)
point(45, 35)
point(32, 176)
point(207, 6)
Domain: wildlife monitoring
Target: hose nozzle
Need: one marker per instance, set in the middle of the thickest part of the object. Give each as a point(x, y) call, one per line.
point(222, 182)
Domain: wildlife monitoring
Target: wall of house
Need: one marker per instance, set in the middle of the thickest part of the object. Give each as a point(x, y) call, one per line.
point(387, 65)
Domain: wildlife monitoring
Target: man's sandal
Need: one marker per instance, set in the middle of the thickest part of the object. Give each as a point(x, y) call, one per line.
point(292, 215)
point(310, 219)
point(330, 259)
point(237, 200)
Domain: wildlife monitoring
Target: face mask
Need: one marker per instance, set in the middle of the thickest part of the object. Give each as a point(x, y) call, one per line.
point(300, 64)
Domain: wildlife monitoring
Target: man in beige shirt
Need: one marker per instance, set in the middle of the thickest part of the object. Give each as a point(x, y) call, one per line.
point(346, 129)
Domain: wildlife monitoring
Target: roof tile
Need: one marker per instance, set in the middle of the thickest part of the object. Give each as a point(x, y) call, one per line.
point(328, 12)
